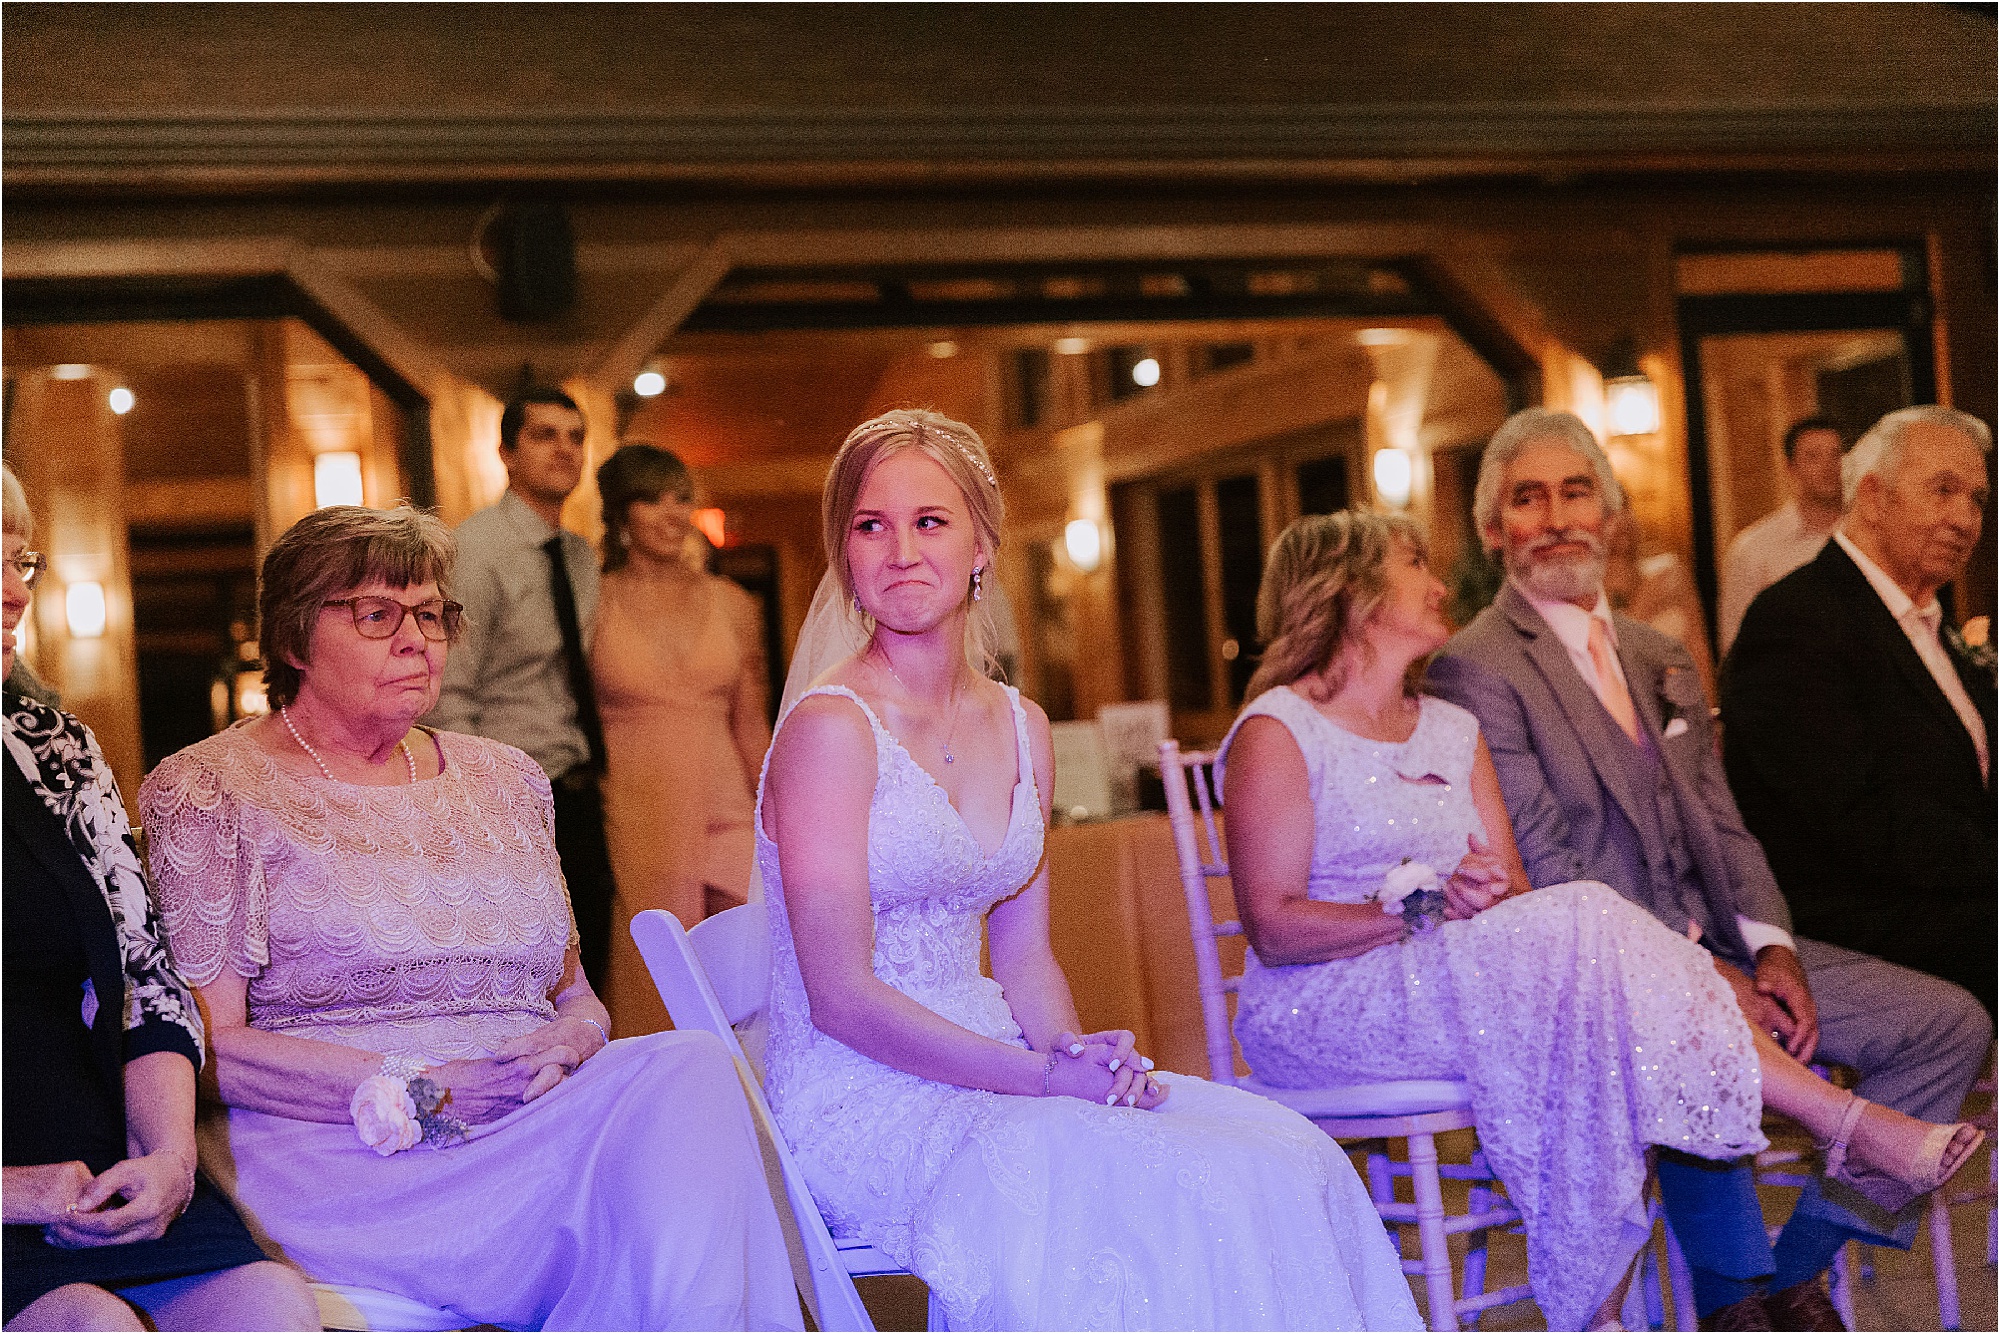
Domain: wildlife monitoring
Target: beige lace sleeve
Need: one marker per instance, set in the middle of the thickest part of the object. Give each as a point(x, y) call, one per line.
point(213, 899)
point(538, 783)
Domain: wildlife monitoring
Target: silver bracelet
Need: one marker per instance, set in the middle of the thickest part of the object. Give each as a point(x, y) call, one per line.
point(1048, 1070)
point(599, 1027)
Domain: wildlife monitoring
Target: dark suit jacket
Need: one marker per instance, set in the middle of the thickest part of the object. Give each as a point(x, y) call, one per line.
point(1853, 770)
point(1575, 787)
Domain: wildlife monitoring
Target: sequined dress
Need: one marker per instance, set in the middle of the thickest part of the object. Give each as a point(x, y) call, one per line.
point(431, 920)
point(1218, 1211)
point(1585, 1029)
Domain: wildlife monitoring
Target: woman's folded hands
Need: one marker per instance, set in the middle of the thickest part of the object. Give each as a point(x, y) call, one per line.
point(1477, 883)
point(132, 1200)
point(1104, 1068)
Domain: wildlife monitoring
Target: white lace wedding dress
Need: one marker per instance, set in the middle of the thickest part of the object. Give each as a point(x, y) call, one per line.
point(1218, 1211)
point(1584, 1028)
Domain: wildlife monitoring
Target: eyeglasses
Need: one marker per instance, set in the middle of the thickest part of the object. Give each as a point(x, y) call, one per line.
point(30, 565)
point(380, 618)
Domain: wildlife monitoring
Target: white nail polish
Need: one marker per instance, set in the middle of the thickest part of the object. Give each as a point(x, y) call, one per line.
point(1145, 1062)
point(1076, 1049)
point(1131, 1098)
point(1114, 1066)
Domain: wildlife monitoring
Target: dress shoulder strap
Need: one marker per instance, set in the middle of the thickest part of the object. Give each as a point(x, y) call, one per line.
point(1027, 757)
point(1298, 717)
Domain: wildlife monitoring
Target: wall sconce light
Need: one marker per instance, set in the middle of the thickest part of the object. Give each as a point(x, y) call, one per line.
point(1631, 399)
point(649, 384)
point(83, 605)
point(337, 478)
point(1393, 474)
point(709, 522)
point(120, 400)
point(1083, 542)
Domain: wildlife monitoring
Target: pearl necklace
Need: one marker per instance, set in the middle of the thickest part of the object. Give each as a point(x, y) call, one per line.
point(957, 698)
point(285, 712)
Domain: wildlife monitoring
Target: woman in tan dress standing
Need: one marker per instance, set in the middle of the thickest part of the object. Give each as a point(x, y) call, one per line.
point(678, 661)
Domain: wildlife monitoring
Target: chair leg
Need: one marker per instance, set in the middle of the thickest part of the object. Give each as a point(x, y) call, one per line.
point(1943, 1261)
point(1478, 1200)
point(1840, 1281)
point(1682, 1278)
point(1430, 1231)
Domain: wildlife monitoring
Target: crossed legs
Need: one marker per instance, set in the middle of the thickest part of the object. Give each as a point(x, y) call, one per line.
point(1918, 1042)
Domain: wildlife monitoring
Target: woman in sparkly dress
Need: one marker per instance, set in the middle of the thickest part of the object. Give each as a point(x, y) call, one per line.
point(421, 1095)
point(1585, 1029)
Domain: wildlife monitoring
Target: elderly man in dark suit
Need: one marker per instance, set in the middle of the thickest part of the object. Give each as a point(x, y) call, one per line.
point(1601, 735)
point(1859, 738)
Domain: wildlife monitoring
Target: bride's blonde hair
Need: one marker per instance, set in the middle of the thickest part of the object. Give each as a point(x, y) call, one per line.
point(1324, 578)
point(953, 446)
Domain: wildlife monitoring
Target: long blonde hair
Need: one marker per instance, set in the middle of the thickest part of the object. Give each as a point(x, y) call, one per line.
point(1325, 576)
point(953, 446)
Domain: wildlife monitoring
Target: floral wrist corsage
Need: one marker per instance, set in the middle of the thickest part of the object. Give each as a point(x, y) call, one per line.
point(1413, 891)
point(403, 1105)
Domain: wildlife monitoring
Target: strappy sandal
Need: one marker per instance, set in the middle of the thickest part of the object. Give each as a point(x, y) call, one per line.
point(1891, 1187)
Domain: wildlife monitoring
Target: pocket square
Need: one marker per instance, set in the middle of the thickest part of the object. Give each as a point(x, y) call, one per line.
point(1674, 728)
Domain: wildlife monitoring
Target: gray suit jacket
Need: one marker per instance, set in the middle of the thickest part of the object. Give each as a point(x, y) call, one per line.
point(1573, 788)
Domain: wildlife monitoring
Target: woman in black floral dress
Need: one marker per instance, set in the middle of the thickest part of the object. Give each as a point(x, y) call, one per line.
point(105, 1214)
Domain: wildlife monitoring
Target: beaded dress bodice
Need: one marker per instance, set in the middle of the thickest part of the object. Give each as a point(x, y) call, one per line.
point(931, 885)
point(428, 918)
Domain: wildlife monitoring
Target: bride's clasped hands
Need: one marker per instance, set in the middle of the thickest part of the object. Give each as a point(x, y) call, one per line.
point(1103, 1067)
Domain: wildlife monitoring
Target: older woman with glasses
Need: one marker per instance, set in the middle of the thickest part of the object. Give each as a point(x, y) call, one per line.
point(421, 1095)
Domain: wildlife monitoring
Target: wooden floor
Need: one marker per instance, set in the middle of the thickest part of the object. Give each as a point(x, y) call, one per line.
point(1901, 1295)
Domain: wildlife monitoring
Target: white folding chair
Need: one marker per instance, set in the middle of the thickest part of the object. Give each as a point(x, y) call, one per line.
point(1415, 1110)
point(347, 1307)
point(712, 979)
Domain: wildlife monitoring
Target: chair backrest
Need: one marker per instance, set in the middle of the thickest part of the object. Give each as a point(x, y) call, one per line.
point(1181, 773)
point(679, 962)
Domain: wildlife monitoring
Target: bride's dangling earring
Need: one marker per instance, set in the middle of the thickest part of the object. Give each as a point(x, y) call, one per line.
point(978, 575)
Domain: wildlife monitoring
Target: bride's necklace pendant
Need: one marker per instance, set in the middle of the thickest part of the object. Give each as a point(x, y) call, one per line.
point(957, 696)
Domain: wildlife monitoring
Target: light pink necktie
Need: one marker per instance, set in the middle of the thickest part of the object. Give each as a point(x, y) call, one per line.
point(1610, 688)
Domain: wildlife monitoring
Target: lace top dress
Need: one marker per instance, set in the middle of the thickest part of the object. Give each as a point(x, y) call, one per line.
point(1585, 1029)
point(431, 920)
point(1220, 1210)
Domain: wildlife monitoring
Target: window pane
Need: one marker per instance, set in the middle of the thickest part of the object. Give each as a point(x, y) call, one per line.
point(1180, 586)
point(1242, 569)
point(1323, 485)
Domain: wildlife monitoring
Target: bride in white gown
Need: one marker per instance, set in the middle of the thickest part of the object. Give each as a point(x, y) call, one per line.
point(1033, 1177)
point(1586, 1030)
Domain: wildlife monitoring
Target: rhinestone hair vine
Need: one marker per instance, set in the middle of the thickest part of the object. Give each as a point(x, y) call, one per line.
point(979, 464)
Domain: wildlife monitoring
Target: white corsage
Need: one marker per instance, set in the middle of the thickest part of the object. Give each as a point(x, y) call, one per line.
point(402, 1107)
point(1414, 892)
point(384, 1115)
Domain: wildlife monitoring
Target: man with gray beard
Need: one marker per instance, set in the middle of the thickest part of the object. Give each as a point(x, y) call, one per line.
point(1602, 738)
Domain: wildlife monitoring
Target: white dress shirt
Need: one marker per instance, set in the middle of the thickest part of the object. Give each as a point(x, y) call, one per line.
point(507, 677)
point(1571, 624)
point(1920, 626)
point(1760, 556)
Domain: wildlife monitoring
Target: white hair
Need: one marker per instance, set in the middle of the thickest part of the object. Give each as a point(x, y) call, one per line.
point(1880, 452)
point(17, 517)
point(1517, 433)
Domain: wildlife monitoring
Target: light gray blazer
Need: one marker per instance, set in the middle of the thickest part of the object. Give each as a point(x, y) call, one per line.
point(1574, 787)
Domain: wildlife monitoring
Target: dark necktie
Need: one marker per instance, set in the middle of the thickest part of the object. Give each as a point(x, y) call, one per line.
point(564, 597)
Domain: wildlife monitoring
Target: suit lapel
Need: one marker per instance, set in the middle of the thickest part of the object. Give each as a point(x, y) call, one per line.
point(1598, 732)
point(34, 829)
point(1872, 614)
